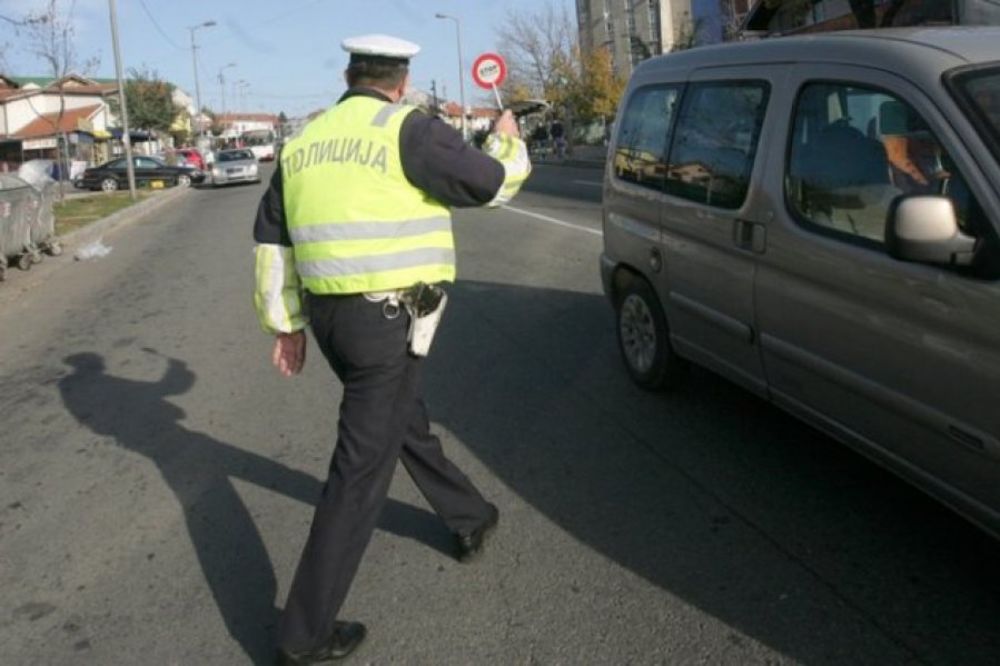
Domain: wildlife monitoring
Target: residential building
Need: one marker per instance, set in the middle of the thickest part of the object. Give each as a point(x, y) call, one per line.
point(235, 125)
point(477, 118)
point(182, 126)
point(770, 18)
point(38, 114)
point(634, 30)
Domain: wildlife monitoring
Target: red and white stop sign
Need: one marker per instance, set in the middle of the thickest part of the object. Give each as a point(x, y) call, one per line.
point(489, 70)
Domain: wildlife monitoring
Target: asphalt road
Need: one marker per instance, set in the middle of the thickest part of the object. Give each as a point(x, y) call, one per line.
point(157, 477)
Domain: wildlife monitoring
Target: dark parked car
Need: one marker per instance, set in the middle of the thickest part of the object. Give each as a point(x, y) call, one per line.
point(113, 175)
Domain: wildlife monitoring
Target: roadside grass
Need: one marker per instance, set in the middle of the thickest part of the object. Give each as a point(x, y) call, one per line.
point(78, 212)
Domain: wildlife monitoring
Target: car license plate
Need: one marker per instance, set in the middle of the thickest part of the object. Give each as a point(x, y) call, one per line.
point(233, 172)
point(156, 184)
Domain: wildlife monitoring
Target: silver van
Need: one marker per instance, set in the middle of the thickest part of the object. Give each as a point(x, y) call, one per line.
point(818, 220)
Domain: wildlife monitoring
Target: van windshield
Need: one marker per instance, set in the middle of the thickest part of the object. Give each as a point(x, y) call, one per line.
point(981, 90)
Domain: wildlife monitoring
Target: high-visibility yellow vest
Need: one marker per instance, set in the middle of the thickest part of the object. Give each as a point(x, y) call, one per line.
point(356, 222)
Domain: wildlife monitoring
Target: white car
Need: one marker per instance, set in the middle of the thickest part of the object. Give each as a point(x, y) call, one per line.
point(235, 166)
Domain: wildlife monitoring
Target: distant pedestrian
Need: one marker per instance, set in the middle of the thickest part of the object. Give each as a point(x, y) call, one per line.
point(539, 139)
point(558, 135)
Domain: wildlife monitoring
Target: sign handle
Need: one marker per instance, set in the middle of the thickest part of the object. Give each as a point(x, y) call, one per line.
point(497, 93)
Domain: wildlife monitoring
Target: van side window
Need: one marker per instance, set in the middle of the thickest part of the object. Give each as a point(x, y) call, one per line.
point(641, 146)
point(854, 150)
point(716, 141)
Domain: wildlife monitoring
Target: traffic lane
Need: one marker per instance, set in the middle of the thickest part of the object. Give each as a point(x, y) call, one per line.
point(145, 554)
point(906, 568)
point(568, 197)
point(142, 388)
point(571, 182)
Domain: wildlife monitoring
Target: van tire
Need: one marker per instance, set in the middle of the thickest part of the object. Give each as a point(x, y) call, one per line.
point(644, 338)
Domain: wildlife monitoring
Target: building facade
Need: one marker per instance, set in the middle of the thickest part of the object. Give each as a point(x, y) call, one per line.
point(39, 116)
point(788, 17)
point(634, 30)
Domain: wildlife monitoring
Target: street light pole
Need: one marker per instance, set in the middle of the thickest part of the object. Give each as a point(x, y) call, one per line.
point(197, 86)
point(126, 140)
point(244, 85)
point(461, 69)
point(222, 84)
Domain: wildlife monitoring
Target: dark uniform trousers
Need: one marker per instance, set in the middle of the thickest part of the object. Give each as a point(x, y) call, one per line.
point(382, 419)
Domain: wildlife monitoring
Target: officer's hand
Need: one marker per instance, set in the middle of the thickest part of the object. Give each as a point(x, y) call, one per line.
point(506, 124)
point(289, 353)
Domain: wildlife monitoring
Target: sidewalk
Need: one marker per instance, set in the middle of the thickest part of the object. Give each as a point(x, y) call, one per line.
point(584, 156)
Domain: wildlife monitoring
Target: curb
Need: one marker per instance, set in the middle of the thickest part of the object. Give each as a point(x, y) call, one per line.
point(98, 228)
point(582, 162)
point(12, 293)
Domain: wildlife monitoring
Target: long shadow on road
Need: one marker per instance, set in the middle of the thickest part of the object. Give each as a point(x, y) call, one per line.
point(709, 493)
point(199, 470)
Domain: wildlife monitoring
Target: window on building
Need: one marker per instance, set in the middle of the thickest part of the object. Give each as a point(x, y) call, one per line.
point(716, 141)
point(653, 7)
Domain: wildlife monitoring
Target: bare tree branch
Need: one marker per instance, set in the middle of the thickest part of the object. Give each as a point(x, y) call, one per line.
point(50, 36)
point(539, 46)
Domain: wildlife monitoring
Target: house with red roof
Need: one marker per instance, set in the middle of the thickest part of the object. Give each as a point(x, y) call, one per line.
point(39, 115)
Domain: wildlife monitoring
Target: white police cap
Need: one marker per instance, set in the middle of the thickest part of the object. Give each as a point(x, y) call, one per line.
point(380, 46)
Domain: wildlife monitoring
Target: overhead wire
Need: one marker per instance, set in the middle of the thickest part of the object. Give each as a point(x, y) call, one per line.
point(166, 37)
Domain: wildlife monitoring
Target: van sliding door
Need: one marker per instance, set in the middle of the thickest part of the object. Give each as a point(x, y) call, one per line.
point(711, 233)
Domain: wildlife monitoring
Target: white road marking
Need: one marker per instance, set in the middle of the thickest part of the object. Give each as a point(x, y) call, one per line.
point(592, 183)
point(552, 220)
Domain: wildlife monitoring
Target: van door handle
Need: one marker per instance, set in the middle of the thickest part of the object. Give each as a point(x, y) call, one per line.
point(750, 236)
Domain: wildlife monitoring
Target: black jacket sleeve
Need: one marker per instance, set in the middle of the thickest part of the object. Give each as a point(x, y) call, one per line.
point(270, 226)
point(437, 161)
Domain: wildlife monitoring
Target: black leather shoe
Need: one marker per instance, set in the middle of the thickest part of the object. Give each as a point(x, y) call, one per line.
point(471, 544)
point(346, 637)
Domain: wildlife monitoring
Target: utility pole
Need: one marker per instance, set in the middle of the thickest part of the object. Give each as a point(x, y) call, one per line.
point(222, 84)
point(461, 69)
point(434, 95)
point(126, 139)
point(194, 59)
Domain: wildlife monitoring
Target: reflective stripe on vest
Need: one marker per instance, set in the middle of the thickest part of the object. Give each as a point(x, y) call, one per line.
point(356, 222)
point(339, 231)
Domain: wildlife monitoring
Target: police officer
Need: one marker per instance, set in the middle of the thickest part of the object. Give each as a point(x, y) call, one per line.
point(356, 215)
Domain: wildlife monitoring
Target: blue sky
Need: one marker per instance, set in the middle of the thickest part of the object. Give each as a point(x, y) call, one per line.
point(287, 50)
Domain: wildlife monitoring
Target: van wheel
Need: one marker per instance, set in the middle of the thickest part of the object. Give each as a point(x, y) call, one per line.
point(643, 337)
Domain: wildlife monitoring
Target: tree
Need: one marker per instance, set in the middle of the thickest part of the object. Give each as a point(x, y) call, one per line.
point(150, 101)
point(50, 36)
point(598, 89)
point(540, 48)
point(215, 125)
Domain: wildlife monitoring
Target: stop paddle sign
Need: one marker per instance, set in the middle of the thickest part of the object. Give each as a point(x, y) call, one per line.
point(489, 70)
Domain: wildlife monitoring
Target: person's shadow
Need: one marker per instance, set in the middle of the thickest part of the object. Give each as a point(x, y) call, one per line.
point(199, 470)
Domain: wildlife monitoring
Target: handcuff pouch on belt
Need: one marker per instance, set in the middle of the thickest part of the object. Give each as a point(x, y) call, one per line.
point(425, 304)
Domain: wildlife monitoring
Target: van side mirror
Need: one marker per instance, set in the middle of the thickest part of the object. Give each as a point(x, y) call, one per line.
point(925, 229)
